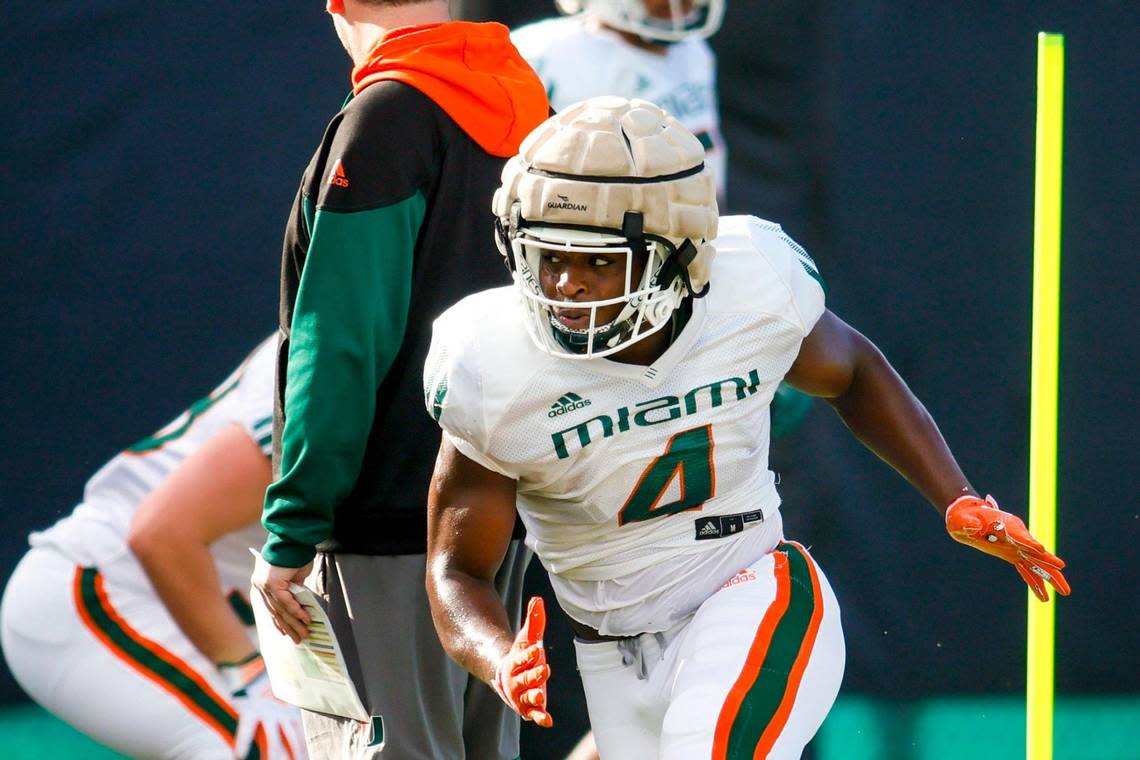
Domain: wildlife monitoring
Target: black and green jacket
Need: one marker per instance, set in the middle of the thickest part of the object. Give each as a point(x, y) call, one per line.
point(391, 225)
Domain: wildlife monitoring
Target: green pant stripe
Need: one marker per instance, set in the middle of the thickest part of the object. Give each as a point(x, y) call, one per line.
point(767, 691)
point(130, 648)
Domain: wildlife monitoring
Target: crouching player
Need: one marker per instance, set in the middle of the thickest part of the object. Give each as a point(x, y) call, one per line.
point(619, 394)
point(128, 618)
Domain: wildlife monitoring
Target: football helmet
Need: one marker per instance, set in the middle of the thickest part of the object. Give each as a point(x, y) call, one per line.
point(616, 176)
point(702, 20)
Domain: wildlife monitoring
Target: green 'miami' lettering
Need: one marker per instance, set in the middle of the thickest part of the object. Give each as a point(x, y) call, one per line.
point(655, 411)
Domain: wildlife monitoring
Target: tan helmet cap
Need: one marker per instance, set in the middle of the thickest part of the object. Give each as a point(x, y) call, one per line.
point(602, 157)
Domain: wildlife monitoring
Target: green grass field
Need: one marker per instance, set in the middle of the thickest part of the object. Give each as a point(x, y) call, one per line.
point(979, 728)
point(27, 732)
point(858, 728)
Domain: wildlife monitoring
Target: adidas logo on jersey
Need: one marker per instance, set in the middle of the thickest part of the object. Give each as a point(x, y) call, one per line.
point(744, 576)
point(568, 403)
point(709, 529)
point(720, 526)
point(337, 176)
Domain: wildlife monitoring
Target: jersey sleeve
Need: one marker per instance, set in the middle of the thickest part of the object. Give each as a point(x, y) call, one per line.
point(534, 43)
point(350, 311)
point(453, 388)
point(531, 44)
point(255, 394)
point(804, 296)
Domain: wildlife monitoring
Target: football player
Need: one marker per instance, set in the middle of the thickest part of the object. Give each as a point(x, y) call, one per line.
point(655, 50)
point(129, 618)
point(618, 394)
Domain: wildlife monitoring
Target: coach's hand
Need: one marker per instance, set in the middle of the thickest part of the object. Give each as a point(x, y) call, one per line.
point(265, 722)
point(522, 674)
point(272, 582)
point(983, 525)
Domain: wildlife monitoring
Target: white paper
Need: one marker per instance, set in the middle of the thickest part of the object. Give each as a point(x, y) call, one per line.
point(311, 674)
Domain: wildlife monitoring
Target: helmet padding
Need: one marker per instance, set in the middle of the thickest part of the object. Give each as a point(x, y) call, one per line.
point(602, 157)
point(627, 169)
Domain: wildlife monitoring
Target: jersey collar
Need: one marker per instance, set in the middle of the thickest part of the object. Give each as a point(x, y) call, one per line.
point(655, 373)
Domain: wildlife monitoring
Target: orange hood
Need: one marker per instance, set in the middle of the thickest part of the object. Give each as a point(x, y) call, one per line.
point(471, 71)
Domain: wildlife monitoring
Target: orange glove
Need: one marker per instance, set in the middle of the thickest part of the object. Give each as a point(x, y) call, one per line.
point(982, 525)
point(522, 674)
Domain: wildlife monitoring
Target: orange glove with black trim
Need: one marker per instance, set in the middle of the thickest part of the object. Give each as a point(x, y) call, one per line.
point(980, 523)
point(522, 674)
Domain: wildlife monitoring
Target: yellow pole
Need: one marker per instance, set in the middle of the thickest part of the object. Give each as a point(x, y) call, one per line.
point(1043, 390)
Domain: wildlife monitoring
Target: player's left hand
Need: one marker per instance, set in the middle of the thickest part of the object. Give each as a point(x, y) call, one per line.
point(265, 722)
point(980, 523)
point(523, 672)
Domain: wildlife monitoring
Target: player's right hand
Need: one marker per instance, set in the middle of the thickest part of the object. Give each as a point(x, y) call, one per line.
point(266, 723)
point(272, 582)
point(523, 672)
point(980, 523)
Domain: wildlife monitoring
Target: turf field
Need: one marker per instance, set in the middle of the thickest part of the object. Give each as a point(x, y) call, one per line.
point(858, 728)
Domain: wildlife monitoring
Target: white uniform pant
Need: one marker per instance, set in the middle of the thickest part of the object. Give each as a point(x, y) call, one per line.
point(751, 675)
point(108, 659)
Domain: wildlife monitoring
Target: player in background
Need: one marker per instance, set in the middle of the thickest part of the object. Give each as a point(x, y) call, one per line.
point(129, 617)
point(618, 394)
point(655, 50)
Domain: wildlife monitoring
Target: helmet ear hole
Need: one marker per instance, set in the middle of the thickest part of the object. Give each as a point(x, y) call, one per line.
point(660, 311)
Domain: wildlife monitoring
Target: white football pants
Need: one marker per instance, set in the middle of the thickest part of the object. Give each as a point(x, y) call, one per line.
point(108, 659)
point(751, 675)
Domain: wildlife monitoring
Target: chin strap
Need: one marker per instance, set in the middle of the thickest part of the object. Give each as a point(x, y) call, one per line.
point(504, 233)
point(633, 230)
point(677, 265)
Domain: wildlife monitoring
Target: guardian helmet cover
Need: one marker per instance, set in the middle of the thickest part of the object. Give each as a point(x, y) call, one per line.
point(608, 175)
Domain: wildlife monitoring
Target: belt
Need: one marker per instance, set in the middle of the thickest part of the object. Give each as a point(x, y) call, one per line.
point(586, 633)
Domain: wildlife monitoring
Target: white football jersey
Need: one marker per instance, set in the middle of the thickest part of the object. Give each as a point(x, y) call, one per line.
point(95, 533)
point(642, 488)
point(576, 58)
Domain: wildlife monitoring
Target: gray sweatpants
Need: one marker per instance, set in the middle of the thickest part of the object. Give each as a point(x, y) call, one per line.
point(432, 708)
